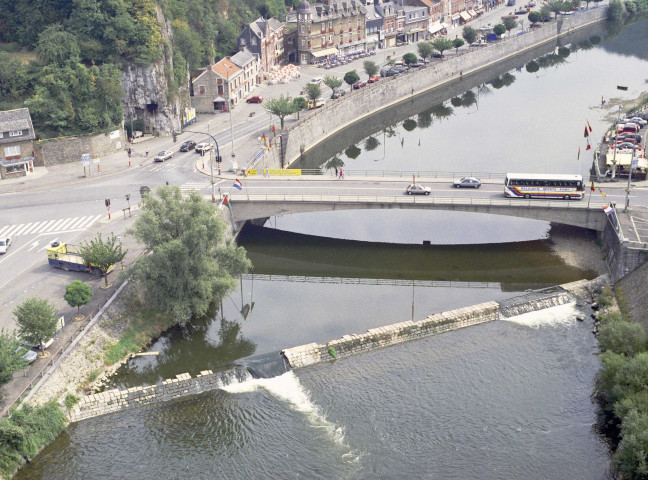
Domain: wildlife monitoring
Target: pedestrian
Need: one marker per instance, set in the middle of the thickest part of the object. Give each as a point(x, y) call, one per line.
point(147, 150)
point(167, 182)
point(341, 174)
point(336, 172)
point(129, 152)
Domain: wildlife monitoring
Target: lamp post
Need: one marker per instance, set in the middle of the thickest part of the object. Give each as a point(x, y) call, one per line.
point(632, 160)
point(614, 143)
point(229, 108)
point(211, 163)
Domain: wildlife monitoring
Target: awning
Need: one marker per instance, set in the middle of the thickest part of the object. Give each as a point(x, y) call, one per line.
point(445, 25)
point(479, 10)
point(465, 16)
point(455, 17)
point(437, 27)
point(326, 52)
point(472, 13)
point(219, 99)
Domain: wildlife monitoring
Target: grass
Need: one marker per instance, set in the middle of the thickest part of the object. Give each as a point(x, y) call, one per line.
point(25, 432)
point(70, 401)
point(606, 297)
point(145, 326)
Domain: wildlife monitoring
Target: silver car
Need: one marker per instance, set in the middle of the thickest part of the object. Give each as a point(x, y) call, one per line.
point(4, 244)
point(467, 182)
point(163, 155)
point(414, 189)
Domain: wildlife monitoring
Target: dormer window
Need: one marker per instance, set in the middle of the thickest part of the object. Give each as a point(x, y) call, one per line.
point(254, 41)
point(15, 133)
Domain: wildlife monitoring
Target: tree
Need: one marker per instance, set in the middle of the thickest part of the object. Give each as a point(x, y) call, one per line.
point(425, 49)
point(623, 337)
point(469, 34)
point(353, 152)
point(299, 104)
point(555, 6)
point(499, 30)
point(334, 163)
point(11, 356)
point(532, 66)
point(36, 320)
point(281, 107)
point(351, 77)
point(534, 17)
point(57, 46)
point(189, 265)
point(103, 254)
point(616, 10)
point(442, 44)
point(370, 68)
point(332, 82)
point(545, 13)
point(78, 294)
point(313, 92)
point(410, 58)
point(457, 43)
point(509, 23)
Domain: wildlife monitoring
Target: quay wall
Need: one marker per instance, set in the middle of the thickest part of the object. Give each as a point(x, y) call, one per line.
point(117, 400)
point(318, 125)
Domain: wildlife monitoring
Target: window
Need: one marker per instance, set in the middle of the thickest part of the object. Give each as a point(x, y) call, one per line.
point(1, 134)
point(12, 151)
point(201, 90)
point(254, 41)
point(15, 133)
point(243, 41)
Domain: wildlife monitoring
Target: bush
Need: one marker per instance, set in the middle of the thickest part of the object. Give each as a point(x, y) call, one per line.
point(616, 10)
point(70, 401)
point(606, 297)
point(622, 337)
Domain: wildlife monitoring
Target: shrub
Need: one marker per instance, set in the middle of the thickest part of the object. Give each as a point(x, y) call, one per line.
point(70, 401)
point(606, 297)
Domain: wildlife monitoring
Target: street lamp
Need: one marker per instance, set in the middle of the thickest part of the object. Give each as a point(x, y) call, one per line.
point(229, 100)
point(614, 143)
point(211, 163)
point(632, 160)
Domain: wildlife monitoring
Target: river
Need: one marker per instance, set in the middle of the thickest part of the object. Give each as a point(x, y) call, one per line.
point(508, 399)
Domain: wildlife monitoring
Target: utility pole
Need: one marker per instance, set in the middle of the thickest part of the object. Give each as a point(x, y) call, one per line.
point(632, 161)
point(615, 145)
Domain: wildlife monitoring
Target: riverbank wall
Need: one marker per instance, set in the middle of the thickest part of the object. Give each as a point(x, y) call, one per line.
point(184, 384)
point(337, 115)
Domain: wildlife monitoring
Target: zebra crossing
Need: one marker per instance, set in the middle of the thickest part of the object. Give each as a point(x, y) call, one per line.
point(185, 188)
point(161, 167)
point(49, 226)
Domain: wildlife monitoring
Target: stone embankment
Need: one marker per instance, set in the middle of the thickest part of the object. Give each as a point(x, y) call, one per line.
point(184, 384)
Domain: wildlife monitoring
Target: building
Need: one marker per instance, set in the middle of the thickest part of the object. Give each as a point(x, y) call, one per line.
point(265, 40)
point(375, 34)
point(412, 23)
point(322, 30)
point(435, 12)
point(217, 88)
point(251, 76)
point(16, 143)
point(390, 22)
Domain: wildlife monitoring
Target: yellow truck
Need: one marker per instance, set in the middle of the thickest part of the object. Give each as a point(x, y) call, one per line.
point(67, 257)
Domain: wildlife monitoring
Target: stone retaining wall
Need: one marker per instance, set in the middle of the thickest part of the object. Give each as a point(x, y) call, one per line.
point(337, 115)
point(66, 150)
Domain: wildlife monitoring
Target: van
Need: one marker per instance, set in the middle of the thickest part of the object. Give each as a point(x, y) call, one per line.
point(510, 3)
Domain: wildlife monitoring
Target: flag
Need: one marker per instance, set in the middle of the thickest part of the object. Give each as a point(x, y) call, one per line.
point(586, 132)
point(263, 139)
point(578, 157)
point(273, 128)
point(589, 126)
point(588, 145)
point(238, 184)
point(601, 191)
point(608, 209)
point(226, 203)
point(592, 187)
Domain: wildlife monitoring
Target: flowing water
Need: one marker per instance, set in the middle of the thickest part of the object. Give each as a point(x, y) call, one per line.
point(507, 399)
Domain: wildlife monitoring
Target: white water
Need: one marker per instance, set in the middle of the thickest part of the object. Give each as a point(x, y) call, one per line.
point(287, 387)
point(561, 315)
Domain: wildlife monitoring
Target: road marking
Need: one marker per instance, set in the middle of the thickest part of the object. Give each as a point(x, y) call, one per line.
point(32, 227)
point(50, 226)
point(34, 245)
point(44, 227)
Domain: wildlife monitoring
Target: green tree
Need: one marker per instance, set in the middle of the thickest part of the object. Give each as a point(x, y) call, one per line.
point(442, 44)
point(499, 30)
point(532, 66)
point(370, 68)
point(371, 143)
point(509, 23)
point(57, 46)
point(299, 104)
point(104, 254)
point(534, 17)
point(616, 10)
point(78, 294)
point(281, 107)
point(313, 92)
point(351, 77)
point(545, 13)
point(409, 58)
point(334, 163)
point(457, 43)
point(631, 456)
point(425, 49)
point(409, 124)
point(36, 320)
point(353, 152)
point(11, 356)
point(332, 82)
point(469, 34)
point(555, 6)
point(189, 265)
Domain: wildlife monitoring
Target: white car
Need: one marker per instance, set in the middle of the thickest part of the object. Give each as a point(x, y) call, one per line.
point(163, 155)
point(417, 190)
point(4, 244)
point(638, 120)
point(315, 81)
point(203, 147)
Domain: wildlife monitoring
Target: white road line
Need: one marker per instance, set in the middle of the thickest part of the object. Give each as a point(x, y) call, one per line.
point(46, 224)
point(56, 225)
point(67, 223)
point(13, 229)
point(76, 223)
point(18, 232)
point(635, 229)
point(34, 225)
point(2, 230)
point(89, 221)
point(48, 244)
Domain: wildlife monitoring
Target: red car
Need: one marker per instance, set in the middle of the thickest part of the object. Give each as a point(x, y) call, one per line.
point(358, 85)
point(373, 78)
point(255, 99)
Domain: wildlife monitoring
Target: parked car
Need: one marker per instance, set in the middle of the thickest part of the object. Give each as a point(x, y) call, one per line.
point(320, 102)
point(315, 81)
point(638, 120)
point(373, 79)
point(338, 93)
point(4, 244)
point(437, 55)
point(397, 70)
point(531, 4)
point(511, 15)
point(520, 11)
point(423, 60)
point(163, 155)
point(29, 356)
point(415, 189)
point(254, 99)
point(359, 85)
point(188, 145)
point(626, 146)
point(415, 65)
point(480, 43)
point(467, 182)
point(203, 147)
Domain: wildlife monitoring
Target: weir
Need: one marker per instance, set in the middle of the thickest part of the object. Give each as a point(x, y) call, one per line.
point(274, 364)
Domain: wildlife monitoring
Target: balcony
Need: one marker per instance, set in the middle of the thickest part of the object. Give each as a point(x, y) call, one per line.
point(331, 29)
point(341, 30)
point(350, 29)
